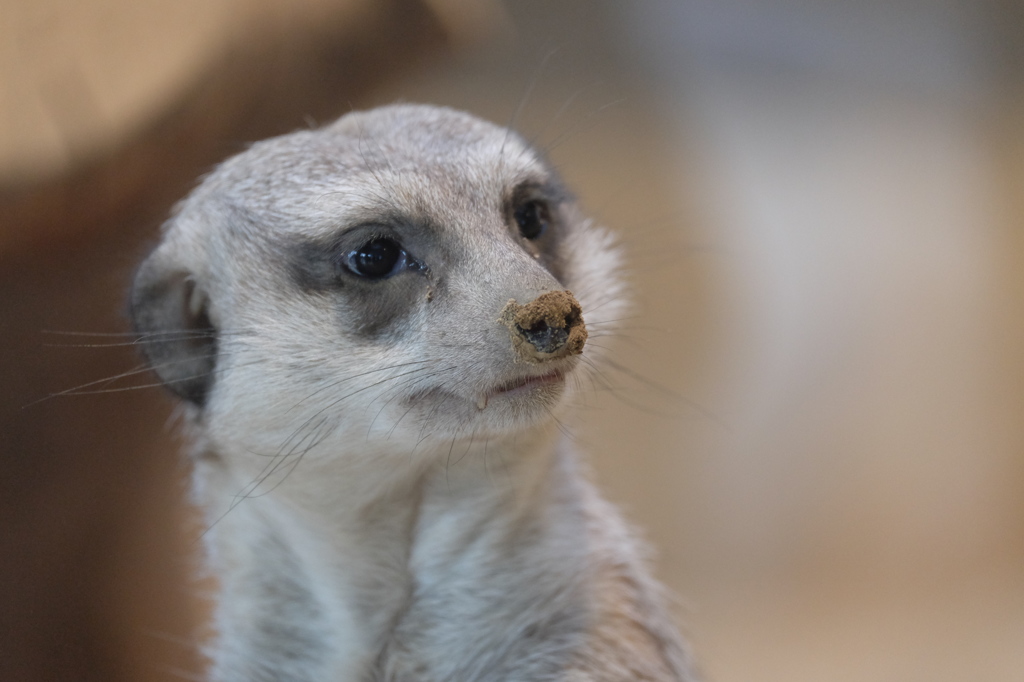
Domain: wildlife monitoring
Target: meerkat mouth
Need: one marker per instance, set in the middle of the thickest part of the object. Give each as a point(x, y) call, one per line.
point(520, 386)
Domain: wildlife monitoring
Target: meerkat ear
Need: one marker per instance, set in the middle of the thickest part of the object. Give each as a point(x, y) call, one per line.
point(169, 309)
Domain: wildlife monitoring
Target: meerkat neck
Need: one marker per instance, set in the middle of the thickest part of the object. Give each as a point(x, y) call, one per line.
point(335, 581)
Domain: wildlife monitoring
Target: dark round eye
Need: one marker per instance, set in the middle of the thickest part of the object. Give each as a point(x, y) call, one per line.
point(377, 259)
point(532, 218)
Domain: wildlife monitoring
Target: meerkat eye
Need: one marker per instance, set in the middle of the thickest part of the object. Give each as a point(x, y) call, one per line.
point(377, 259)
point(532, 218)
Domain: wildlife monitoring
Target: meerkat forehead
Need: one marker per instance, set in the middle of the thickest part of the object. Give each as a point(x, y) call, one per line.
point(414, 160)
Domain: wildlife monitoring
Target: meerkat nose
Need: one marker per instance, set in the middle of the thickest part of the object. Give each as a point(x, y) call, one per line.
point(549, 327)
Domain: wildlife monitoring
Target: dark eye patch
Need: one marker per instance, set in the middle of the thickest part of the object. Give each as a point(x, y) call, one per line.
point(370, 274)
point(365, 254)
point(535, 212)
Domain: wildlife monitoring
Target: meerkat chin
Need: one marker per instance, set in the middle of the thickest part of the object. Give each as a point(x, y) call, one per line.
point(374, 328)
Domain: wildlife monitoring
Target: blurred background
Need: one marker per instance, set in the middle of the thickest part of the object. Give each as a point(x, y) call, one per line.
point(816, 409)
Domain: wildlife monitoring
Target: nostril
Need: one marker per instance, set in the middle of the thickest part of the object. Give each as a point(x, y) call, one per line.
point(545, 338)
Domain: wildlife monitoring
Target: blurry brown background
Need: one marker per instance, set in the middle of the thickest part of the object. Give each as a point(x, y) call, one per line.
point(820, 413)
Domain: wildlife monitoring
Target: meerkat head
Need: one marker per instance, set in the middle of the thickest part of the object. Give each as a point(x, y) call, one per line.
point(405, 274)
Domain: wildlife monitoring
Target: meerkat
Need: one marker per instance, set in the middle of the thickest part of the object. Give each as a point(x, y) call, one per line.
point(374, 328)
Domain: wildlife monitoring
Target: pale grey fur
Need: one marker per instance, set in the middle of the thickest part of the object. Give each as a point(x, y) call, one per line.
point(380, 507)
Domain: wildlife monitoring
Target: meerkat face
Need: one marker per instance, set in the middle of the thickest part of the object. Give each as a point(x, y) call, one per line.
point(404, 275)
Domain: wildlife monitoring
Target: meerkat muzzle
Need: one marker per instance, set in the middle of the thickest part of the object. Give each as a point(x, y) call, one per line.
point(549, 327)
